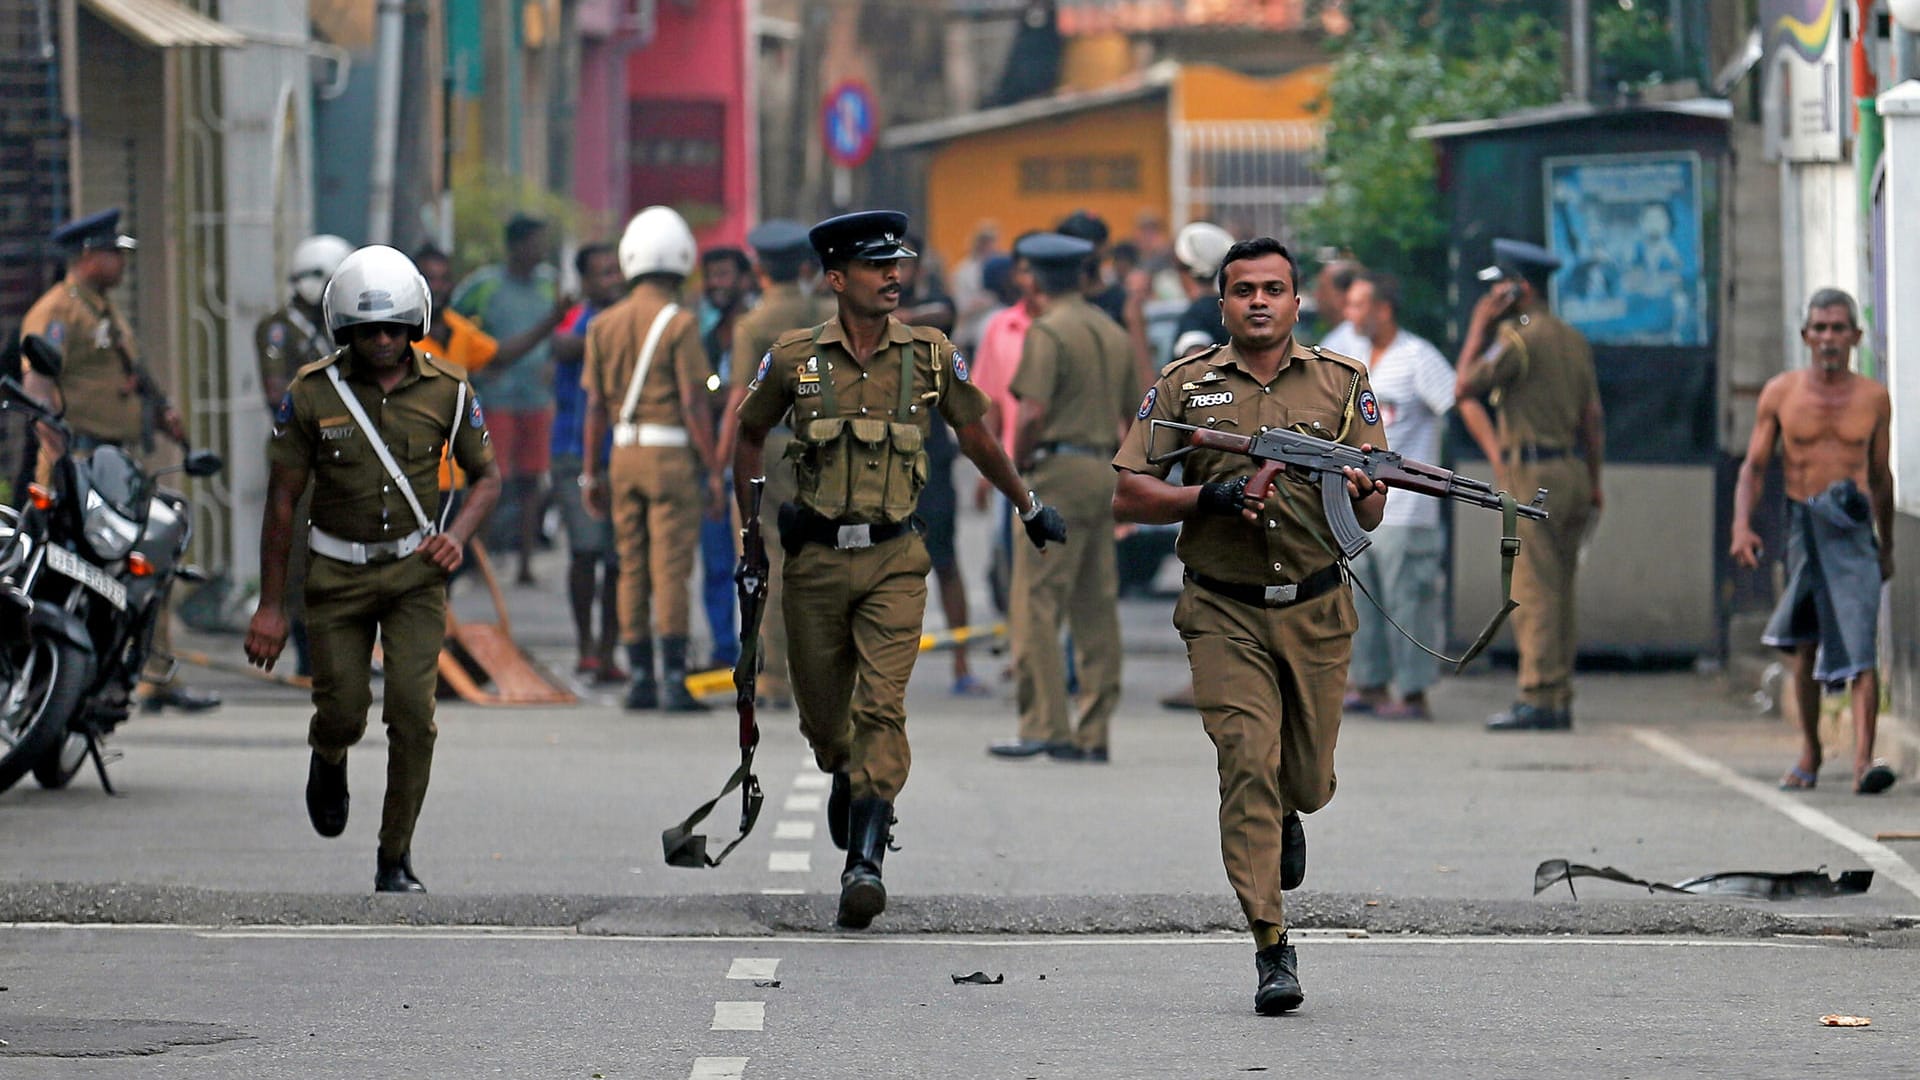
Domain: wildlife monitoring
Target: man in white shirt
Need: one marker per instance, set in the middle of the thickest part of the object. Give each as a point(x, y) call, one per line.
point(1402, 570)
point(1330, 288)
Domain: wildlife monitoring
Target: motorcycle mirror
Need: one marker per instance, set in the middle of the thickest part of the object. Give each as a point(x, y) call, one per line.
point(203, 463)
point(42, 355)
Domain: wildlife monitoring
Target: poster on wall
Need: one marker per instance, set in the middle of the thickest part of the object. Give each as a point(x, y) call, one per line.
point(1628, 233)
point(1803, 104)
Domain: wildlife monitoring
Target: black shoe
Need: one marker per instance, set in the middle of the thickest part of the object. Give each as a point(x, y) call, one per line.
point(1279, 988)
point(643, 691)
point(327, 795)
point(1070, 752)
point(1293, 852)
point(675, 698)
point(838, 801)
point(1023, 748)
point(862, 895)
point(179, 697)
point(397, 876)
point(1525, 717)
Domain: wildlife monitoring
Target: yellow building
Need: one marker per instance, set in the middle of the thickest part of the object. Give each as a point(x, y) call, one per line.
point(1178, 142)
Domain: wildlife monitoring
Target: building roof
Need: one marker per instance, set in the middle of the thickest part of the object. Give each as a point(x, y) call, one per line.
point(1568, 111)
point(165, 24)
point(1150, 84)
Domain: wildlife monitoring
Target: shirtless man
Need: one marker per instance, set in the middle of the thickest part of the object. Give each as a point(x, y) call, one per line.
point(1832, 425)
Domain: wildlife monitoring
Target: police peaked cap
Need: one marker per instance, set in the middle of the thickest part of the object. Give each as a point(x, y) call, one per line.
point(874, 235)
point(1053, 249)
point(95, 231)
point(779, 239)
point(1516, 258)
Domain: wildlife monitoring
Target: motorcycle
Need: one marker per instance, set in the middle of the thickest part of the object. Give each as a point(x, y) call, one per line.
point(86, 567)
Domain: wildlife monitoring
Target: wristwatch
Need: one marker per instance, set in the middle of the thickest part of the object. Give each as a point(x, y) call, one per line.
point(1035, 512)
point(589, 480)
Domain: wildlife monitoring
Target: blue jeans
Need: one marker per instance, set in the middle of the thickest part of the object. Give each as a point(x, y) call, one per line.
point(716, 588)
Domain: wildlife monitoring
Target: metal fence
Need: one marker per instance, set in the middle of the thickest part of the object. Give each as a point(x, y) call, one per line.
point(1252, 178)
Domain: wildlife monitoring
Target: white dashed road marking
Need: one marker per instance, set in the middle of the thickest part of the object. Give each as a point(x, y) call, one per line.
point(811, 781)
point(803, 804)
point(718, 1068)
point(739, 1015)
point(1877, 855)
point(753, 968)
point(793, 830)
point(790, 862)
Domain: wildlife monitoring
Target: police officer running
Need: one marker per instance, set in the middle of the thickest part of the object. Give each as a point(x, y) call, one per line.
point(1266, 613)
point(859, 389)
point(107, 394)
point(645, 366)
point(369, 426)
point(782, 250)
point(1076, 388)
point(1552, 434)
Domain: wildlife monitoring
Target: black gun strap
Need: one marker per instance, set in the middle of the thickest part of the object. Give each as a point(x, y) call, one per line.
point(683, 847)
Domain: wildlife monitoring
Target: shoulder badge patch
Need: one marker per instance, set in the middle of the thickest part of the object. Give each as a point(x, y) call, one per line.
point(276, 333)
point(474, 416)
point(959, 366)
point(1146, 403)
point(766, 365)
point(56, 334)
point(1369, 408)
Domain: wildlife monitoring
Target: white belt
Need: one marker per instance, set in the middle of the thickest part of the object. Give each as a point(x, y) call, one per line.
point(360, 554)
point(649, 435)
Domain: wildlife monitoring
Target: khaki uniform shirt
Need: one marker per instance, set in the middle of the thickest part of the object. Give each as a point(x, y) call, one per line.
point(781, 308)
point(99, 384)
point(286, 341)
point(802, 358)
point(1078, 363)
point(614, 339)
point(1541, 371)
point(1315, 392)
point(353, 496)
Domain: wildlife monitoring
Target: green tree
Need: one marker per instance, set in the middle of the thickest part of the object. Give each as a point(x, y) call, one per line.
point(1405, 64)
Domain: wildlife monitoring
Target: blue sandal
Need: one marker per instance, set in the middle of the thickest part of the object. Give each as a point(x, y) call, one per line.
point(1798, 779)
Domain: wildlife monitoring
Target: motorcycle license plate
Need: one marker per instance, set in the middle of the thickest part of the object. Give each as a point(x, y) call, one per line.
point(73, 566)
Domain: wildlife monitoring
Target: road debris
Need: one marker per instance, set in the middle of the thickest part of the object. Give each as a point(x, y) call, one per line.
point(1750, 884)
point(1843, 1020)
point(979, 978)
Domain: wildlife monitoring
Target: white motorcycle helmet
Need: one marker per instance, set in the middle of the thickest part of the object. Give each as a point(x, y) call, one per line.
point(314, 261)
point(657, 241)
point(1201, 247)
point(377, 284)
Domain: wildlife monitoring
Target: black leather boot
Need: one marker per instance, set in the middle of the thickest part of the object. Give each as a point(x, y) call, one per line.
point(327, 795)
point(396, 875)
point(642, 691)
point(1527, 717)
point(1279, 989)
point(862, 896)
point(673, 673)
point(1293, 852)
point(839, 803)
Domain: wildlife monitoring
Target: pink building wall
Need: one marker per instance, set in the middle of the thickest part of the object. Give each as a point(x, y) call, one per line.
point(690, 125)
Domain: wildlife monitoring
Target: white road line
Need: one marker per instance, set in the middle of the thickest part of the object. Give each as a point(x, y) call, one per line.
point(811, 781)
point(739, 1016)
point(790, 862)
point(795, 829)
point(1877, 855)
point(783, 892)
point(753, 968)
point(803, 804)
point(718, 1068)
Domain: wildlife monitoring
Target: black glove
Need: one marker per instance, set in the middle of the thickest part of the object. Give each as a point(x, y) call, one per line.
point(1044, 523)
point(1227, 499)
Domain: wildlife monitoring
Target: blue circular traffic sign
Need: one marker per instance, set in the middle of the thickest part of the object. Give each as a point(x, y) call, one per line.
point(848, 123)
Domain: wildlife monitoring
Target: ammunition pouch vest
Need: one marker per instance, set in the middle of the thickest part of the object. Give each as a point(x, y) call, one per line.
point(861, 469)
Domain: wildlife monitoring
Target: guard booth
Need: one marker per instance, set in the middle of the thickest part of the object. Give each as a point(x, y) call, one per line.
point(1631, 200)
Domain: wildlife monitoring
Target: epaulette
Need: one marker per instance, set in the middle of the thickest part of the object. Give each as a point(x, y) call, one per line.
point(1203, 354)
point(1338, 358)
point(927, 333)
point(319, 365)
point(445, 366)
point(794, 337)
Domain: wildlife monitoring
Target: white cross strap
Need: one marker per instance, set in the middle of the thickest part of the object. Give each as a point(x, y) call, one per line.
point(654, 333)
point(380, 446)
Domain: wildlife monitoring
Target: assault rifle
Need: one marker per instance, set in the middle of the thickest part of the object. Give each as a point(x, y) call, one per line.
point(683, 847)
point(1278, 449)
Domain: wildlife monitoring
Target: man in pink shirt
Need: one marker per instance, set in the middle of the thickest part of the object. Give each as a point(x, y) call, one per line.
point(1001, 339)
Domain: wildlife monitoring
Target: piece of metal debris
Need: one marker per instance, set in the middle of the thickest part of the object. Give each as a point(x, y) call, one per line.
point(979, 978)
point(767, 984)
point(1842, 1020)
point(1748, 884)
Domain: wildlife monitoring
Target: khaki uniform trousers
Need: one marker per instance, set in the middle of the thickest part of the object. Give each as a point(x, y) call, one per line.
point(853, 621)
point(405, 601)
point(782, 487)
point(1268, 684)
point(658, 497)
point(1076, 582)
point(1543, 579)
